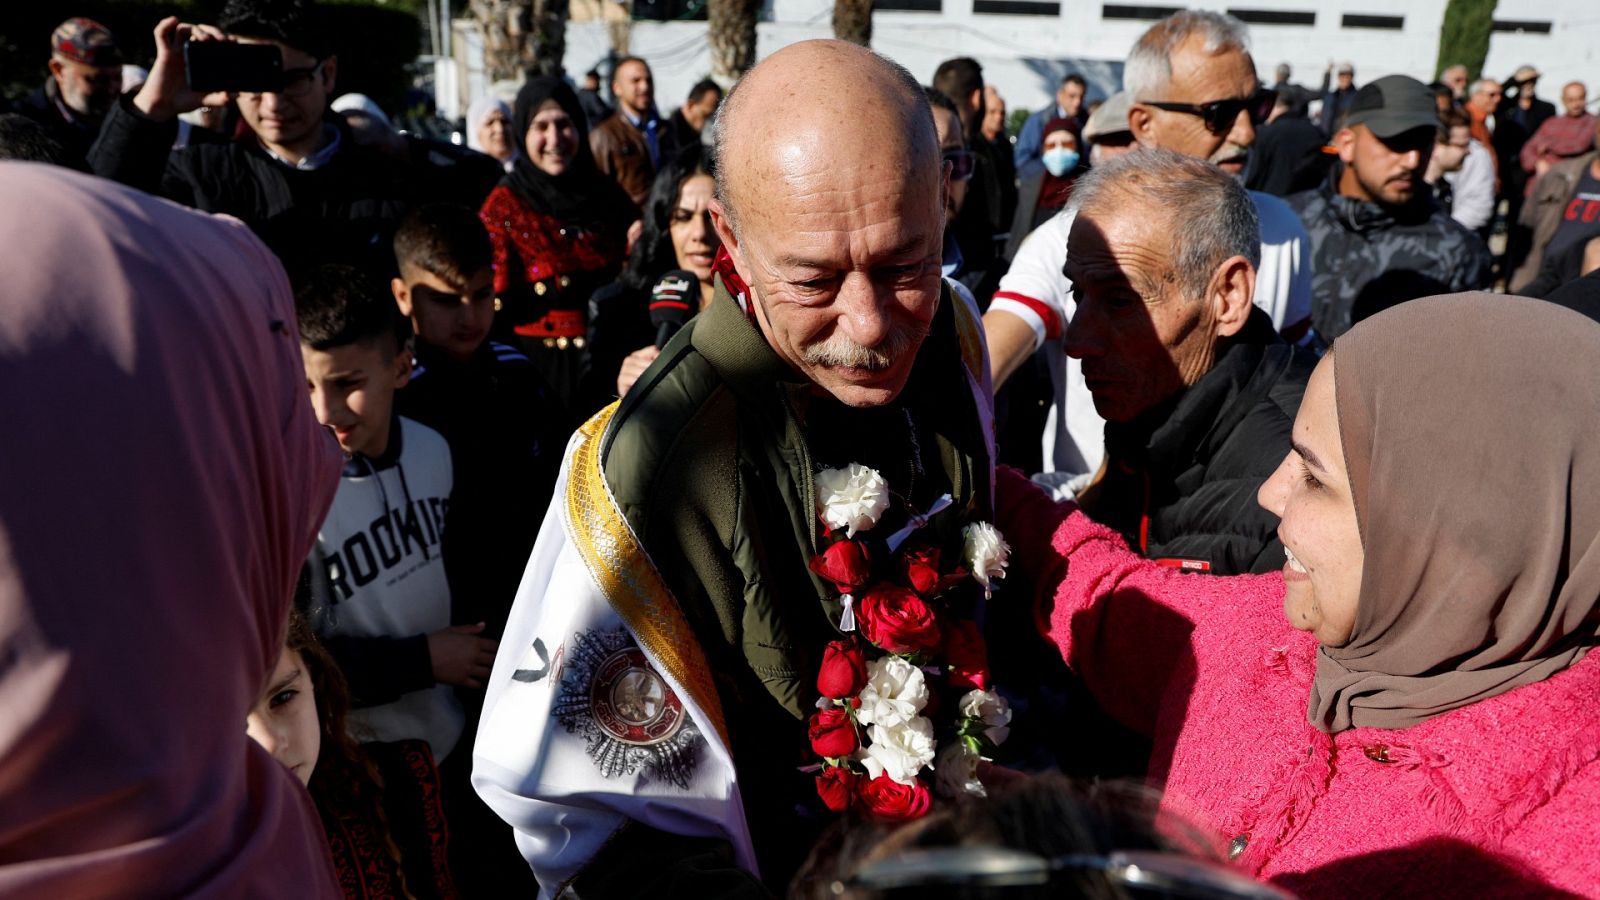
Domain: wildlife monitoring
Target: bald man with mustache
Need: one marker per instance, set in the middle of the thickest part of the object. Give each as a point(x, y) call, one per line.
point(679, 543)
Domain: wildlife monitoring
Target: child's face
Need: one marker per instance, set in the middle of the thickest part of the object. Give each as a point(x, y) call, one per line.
point(352, 391)
point(456, 322)
point(284, 720)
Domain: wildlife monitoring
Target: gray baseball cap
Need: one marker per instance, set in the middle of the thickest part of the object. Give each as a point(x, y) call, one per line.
point(1111, 118)
point(1394, 104)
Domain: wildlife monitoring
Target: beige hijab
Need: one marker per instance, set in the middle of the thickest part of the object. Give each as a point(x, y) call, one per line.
point(1471, 429)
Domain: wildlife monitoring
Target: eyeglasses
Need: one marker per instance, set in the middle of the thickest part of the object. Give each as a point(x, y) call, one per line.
point(1219, 115)
point(295, 82)
point(962, 162)
point(1139, 873)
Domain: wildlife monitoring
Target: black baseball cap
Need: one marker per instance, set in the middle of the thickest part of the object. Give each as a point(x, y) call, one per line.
point(1392, 105)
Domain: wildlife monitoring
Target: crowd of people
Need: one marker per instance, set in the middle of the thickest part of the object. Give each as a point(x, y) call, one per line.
point(816, 491)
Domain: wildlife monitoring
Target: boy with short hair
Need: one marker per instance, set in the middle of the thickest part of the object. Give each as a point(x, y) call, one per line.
point(505, 429)
point(506, 435)
point(377, 589)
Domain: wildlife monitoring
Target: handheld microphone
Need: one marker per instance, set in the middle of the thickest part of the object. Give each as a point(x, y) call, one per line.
point(673, 302)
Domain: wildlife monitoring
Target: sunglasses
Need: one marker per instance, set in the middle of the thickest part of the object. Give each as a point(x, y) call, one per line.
point(1219, 115)
point(1139, 874)
point(962, 163)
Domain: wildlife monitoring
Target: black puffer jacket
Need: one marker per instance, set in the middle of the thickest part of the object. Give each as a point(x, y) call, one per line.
point(1366, 258)
point(343, 211)
point(1181, 480)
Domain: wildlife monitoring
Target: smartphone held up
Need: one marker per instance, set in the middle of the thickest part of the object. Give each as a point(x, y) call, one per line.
point(233, 67)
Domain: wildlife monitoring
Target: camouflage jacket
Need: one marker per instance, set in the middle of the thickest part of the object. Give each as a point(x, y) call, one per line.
point(1367, 258)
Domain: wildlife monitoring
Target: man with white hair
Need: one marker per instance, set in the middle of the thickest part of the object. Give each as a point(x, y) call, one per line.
point(1192, 88)
point(1198, 392)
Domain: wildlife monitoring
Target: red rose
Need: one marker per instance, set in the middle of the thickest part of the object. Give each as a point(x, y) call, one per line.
point(836, 785)
point(897, 620)
point(843, 672)
point(921, 569)
point(889, 799)
point(832, 733)
point(845, 563)
point(967, 655)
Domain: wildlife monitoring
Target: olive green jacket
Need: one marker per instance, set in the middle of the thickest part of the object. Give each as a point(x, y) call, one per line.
point(708, 459)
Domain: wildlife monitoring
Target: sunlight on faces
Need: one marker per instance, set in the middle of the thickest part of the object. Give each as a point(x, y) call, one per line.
point(284, 121)
point(1450, 156)
point(1140, 339)
point(552, 139)
point(1069, 97)
point(494, 136)
point(1199, 77)
point(1384, 171)
point(1310, 494)
point(284, 721)
point(352, 391)
point(454, 319)
point(634, 87)
point(842, 254)
point(85, 89)
point(1574, 97)
point(694, 237)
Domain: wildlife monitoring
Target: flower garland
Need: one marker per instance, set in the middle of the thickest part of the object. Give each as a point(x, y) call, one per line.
point(875, 722)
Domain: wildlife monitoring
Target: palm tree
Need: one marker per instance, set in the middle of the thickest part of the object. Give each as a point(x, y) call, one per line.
point(731, 29)
point(522, 37)
point(852, 21)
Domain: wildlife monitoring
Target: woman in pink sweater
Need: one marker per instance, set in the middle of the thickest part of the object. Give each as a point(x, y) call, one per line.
point(1409, 707)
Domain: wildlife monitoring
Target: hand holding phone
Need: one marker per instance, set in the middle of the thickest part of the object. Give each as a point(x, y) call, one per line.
point(166, 92)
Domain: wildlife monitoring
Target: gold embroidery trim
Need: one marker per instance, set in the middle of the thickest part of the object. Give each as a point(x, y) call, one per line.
point(629, 579)
point(969, 337)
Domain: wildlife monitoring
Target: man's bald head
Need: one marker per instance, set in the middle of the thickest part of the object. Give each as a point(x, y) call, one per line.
point(819, 98)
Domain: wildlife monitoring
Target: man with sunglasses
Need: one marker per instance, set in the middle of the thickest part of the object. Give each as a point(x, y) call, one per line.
point(299, 178)
point(1377, 236)
point(1192, 89)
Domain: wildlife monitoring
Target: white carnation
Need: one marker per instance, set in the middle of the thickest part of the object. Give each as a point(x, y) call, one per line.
point(894, 693)
point(990, 708)
point(900, 751)
point(956, 771)
point(987, 554)
point(852, 498)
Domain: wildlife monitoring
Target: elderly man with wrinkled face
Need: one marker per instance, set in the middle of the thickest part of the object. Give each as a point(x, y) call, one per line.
point(682, 542)
point(1191, 88)
point(1198, 394)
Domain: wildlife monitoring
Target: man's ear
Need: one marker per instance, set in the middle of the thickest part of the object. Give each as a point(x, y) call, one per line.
point(730, 239)
point(330, 73)
point(1345, 142)
point(1142, 124)
point(1231, 295)
point(402, 295)
point(56, 68)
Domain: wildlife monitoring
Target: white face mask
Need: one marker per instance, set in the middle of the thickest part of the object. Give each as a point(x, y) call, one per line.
point(1058, 161)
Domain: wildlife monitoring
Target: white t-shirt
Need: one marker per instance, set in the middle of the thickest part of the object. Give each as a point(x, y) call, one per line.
point(1036, 291)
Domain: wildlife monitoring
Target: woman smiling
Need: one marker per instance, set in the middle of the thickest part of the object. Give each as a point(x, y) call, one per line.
point(559, 229)
point(1410, 704)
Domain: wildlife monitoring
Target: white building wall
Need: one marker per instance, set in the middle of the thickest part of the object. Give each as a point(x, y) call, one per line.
point(1025, 56)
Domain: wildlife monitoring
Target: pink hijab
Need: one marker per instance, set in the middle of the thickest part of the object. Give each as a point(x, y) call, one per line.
point(161, 481)
point(1471, 429)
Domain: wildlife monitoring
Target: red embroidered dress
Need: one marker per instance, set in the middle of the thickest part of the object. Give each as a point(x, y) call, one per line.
point(544, 273)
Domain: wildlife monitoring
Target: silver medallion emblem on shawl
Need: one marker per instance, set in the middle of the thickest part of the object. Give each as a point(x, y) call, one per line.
point(627, 714)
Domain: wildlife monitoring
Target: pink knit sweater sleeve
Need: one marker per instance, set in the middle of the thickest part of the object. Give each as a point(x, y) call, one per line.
point(1133, 630)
